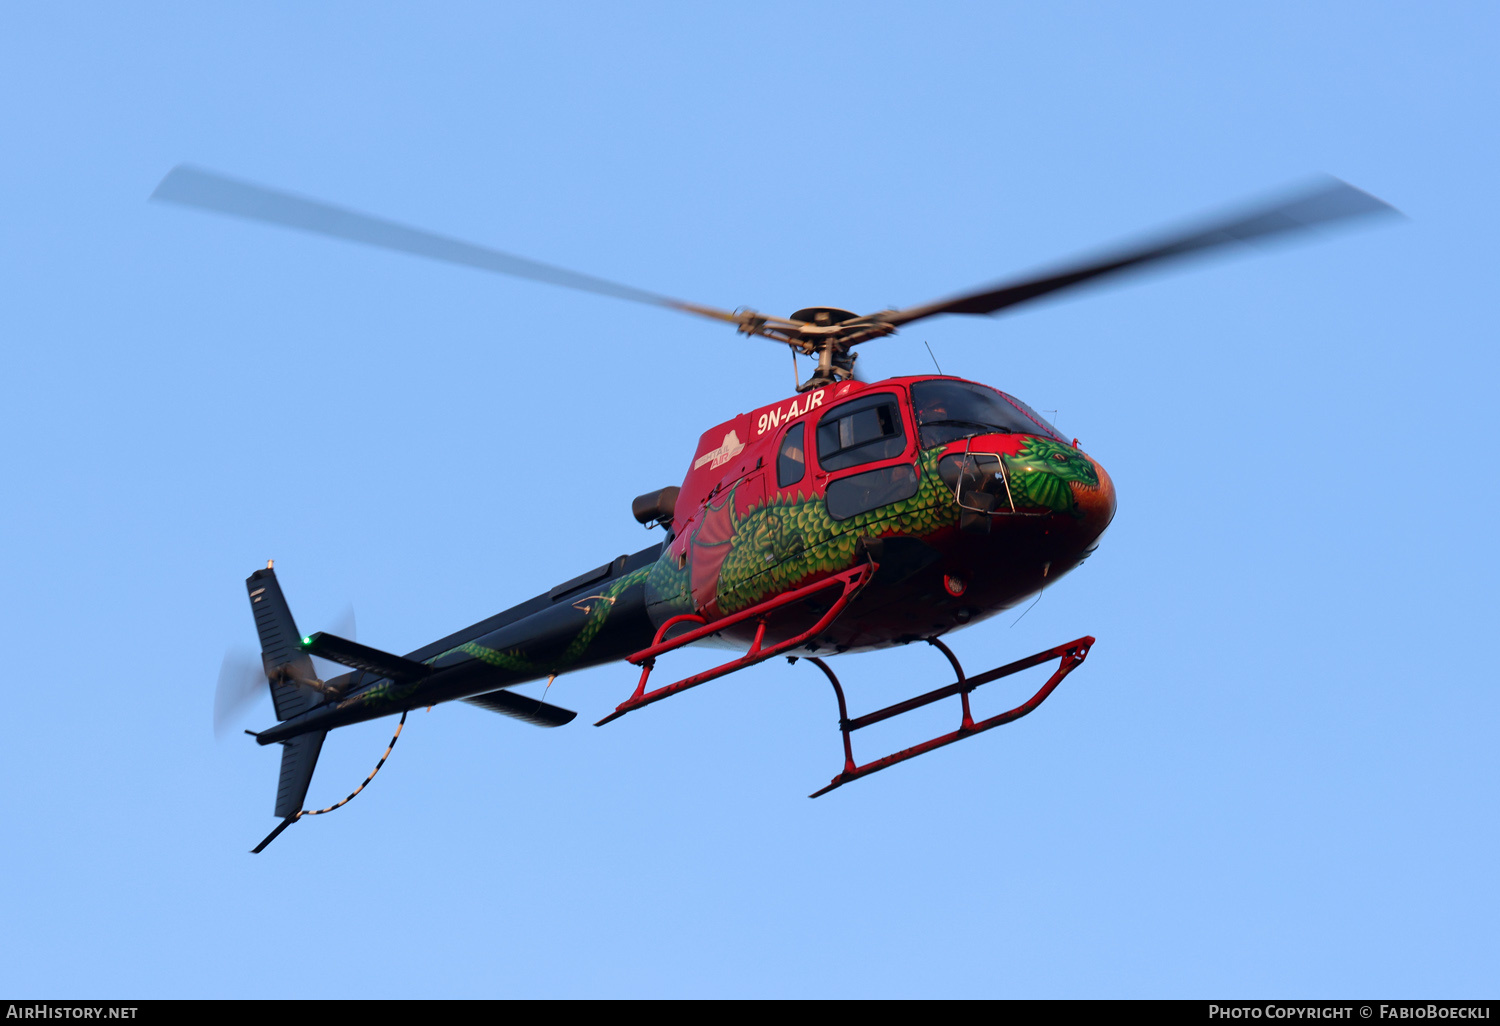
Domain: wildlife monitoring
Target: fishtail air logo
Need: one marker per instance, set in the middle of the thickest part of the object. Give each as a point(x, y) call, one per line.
point(731, 448)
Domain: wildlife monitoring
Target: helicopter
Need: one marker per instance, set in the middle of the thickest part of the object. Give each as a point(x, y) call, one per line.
point(850, 517)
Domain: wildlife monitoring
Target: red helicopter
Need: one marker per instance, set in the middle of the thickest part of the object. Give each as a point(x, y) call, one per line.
point(852, 516)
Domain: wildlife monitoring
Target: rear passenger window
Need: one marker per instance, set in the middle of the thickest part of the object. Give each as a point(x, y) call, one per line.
point(791, 461)
point(860, 493)
point(861, 431)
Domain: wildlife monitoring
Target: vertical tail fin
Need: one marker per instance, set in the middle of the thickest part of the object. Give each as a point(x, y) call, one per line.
point(299, 757)
point(288, 669)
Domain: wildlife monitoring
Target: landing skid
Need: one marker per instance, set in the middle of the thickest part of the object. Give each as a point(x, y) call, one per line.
point(849, 583)
point(1072, 655)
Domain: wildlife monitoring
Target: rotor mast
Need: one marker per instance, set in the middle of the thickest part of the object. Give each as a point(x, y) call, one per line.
point(824, 332)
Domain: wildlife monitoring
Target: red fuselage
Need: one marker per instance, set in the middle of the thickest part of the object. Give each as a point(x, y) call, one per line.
point(969, 500)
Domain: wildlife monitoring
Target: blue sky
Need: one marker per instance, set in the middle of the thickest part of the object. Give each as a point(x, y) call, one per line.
point(1276, 775)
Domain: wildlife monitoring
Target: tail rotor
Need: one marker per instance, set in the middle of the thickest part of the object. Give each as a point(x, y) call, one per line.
point(242, 678)
point(343, 626)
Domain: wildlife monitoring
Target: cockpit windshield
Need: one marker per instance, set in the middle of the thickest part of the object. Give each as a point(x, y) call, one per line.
point(957, 409)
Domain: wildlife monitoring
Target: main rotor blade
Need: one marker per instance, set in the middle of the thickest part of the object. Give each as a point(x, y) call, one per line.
point(1332, 200)
point(194, 187)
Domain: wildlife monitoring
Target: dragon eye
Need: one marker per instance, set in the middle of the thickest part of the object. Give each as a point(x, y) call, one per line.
point(1060, 457)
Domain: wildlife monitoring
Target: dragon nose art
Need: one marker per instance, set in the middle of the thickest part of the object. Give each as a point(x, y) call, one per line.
point(1096, 502)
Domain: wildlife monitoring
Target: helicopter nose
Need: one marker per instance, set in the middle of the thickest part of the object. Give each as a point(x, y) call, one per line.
point(1031, 475)
point(1096, 502)
point(1047, 476)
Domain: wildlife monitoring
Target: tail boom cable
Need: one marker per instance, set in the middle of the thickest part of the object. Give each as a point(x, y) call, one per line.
point(339, 804)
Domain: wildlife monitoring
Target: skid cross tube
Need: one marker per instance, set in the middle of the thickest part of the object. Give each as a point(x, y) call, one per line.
point(1072, 655)
point(850, 582)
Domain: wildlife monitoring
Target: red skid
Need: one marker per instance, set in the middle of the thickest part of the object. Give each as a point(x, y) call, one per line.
point(1072, 655)
point(850, 581)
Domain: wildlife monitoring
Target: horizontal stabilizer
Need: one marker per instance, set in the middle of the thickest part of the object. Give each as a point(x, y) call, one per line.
point(532, 710)
point(363, 657)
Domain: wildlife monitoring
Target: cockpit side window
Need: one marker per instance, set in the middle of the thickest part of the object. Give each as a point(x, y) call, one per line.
point(947, 410)
point(791, 461)
point(861, 431)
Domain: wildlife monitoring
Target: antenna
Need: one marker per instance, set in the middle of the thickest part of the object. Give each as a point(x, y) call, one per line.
point(933, 355)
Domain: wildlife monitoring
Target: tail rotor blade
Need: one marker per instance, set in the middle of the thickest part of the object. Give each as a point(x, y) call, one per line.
point(344, 627)
point(242, 680)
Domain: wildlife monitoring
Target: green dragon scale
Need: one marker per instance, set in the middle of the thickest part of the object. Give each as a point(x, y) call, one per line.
point(787, 539)
point(783, 541)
